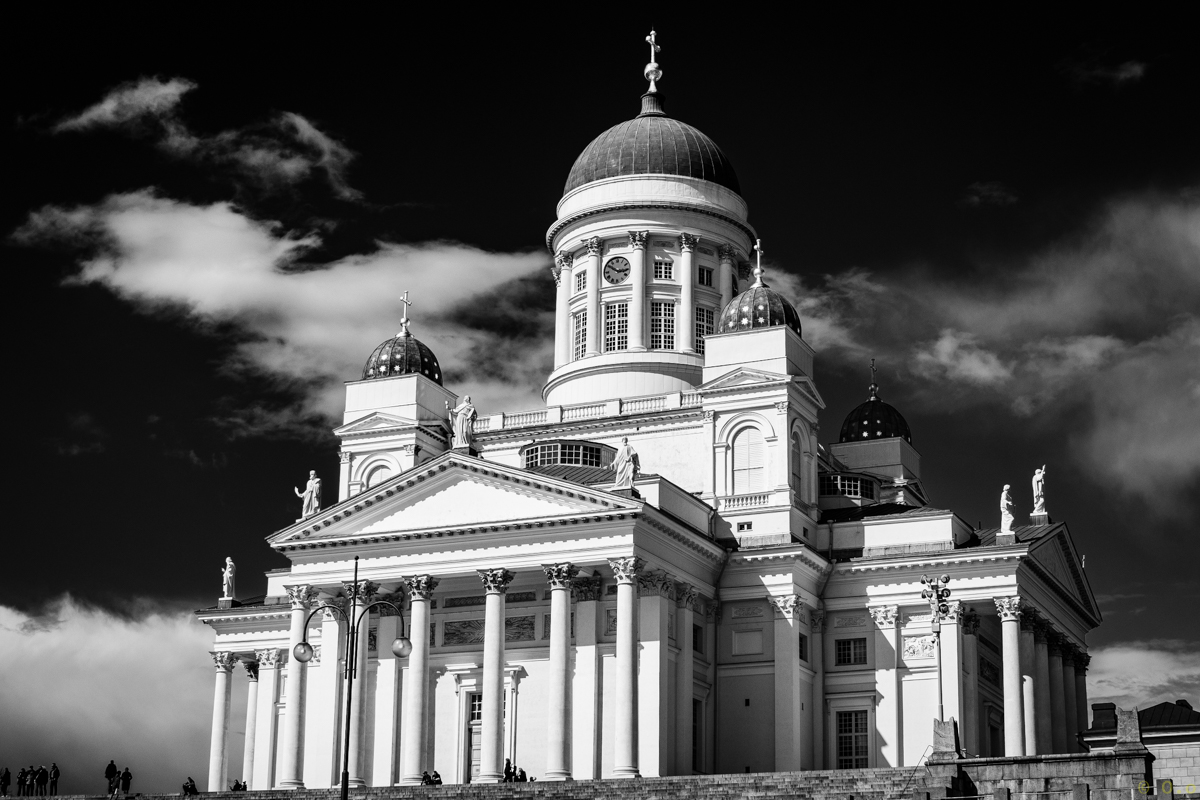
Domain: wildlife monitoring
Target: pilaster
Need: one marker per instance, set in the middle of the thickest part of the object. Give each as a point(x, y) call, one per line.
point(791, 738)
point(585, 710)
point(269, 661)
point(653, 677)
point(1009, 609)
point(625, 681)
point(888, 690)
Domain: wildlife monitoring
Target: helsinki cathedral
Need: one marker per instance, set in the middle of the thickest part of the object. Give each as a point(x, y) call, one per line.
point(661, 571)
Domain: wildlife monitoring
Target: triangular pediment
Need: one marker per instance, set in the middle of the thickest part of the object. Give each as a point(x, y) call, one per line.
point(743, 376)
point(452, 492)
point(375, 421)
point(1055, 555)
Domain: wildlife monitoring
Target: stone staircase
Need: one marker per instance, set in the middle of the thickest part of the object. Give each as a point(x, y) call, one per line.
point(860, 784)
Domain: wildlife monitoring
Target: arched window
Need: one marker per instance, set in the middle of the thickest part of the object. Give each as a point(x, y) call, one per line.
point(378, 475)
point(797, 462)
point(749, 456)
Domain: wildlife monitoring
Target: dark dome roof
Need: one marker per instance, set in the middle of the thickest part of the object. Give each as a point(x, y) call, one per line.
point(402, 355)
point(874, 419)
point(760, 306)
point(652, 144)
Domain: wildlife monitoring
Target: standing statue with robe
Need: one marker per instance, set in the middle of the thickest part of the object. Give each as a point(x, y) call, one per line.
point(626, 465)
point(1039, 490)
point(311, 495)
point(227, 579)
point(462, 422)
point(1006, 510)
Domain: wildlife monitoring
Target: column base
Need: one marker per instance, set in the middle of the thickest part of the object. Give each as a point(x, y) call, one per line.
point(409, 780)
point(490, 777)
point(626, 772)
point(291, 784)
point(557, 775)
point(356, 783)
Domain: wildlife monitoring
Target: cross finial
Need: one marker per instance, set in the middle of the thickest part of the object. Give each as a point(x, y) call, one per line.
point(874, 387)
point(404, 319)
point(758, 269)
point(652, 71)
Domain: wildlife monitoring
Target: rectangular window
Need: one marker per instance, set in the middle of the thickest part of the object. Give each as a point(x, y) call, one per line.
point(704, 276)
point(803, 647)
point(581, 281)
point(846, 486)
point(579, 339)
point(698, 639)
point(476, 707)
point(664, 269)
point(697, 735)
point(850, 652)
point(616, 327)
point(704, 326)
point(852, 739)
point(745, 526)
point(662, 326)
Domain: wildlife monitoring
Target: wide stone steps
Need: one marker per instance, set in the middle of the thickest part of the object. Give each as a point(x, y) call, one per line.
point(861, 784)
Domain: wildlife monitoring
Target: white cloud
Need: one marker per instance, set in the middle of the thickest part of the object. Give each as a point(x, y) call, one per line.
point(73, 672)
point(988, 193)
point(1144, 673)
point(130, 102)
point(956, 356)
point(312, 325)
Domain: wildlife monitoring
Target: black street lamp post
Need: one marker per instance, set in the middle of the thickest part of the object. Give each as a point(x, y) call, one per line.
point(304, 652)
point(937, 594)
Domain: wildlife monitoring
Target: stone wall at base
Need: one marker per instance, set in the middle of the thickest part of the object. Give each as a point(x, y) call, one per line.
point(1108, 776)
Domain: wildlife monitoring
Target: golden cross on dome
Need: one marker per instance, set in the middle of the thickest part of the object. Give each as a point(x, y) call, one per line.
point(652, 71)
point(654, 46)
point(872, 370)
point(758, 270)
point(404, 318)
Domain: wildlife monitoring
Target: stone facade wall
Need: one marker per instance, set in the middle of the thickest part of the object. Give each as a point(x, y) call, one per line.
point(1180, 763)
point(1109, 776)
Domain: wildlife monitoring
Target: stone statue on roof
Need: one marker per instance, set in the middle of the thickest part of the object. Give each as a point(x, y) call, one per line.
point(227, 578)
point(1039, 490)
point(1006, 510)
point(626, 464)
point(311, 495)
point(462, 421)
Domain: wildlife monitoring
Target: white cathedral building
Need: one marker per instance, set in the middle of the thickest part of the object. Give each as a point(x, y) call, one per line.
point(754, 602)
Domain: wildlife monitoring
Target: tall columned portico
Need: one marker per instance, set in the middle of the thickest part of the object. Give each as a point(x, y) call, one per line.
point(362, 595)
point(416, 687)
point(293, 718)
point(1014, 710)
point(251, 720)
point(217, 761)
point(558, 755)
point(491, 757)
point(625, 738)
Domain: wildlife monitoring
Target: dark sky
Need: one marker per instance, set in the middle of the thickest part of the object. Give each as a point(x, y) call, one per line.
point(1002, 210)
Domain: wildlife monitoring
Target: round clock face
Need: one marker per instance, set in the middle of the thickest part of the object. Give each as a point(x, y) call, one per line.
point(616, 270)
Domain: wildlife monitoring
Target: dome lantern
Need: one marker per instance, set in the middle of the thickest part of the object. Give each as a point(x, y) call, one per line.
point(760, 306)
point(874, 419)
point(403, 354)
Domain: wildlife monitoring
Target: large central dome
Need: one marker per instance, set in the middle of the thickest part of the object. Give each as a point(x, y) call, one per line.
point(652, 144)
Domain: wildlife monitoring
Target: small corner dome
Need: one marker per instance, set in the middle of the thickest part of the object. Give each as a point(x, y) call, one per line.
point(760, 306)
point(403, 354)
point(874, 419)
point(652, 144)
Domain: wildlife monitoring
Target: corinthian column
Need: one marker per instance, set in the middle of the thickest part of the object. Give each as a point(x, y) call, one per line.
point(685, 677)
point(1071, 716)
point(217, 763)
point(625, 718)
point(1058, 704)
point(416, 687)
point(293, 715)
point(1014, 711)
point(594, 323)
point(558, 754)
point(251, 721)
point(1041, 687)
point(1028, 687)
point(491, 756)
point(361, 595)
point(562, 309)
point(725, 273)
point(1082, 660)
point(637, 280)
point(687, 290)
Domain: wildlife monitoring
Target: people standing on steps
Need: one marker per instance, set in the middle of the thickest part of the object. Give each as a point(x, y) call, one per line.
point(110, 775)
point(126, 779)
point(55, 774)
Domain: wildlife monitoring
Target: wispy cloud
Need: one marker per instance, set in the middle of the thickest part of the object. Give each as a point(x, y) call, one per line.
point(1144, 673)
point(145, 673)
point(312, 326)
point(1117, 75)
point(279, 152)
point(988, 193)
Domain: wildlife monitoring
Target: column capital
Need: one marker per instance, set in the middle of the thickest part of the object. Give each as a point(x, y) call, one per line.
point(654, 584)
point(818, 621)
point(420, 587)
point(301, 596)
point(586, 589)
point(345, 456)
point(726, 252)
point(712, 611)
point(688, 242)
point(1028, 620)
point(1054, 641)
point(626, 569)
point(396, 598)
point(1009, 608)
point(685, 595)
point(271, 658)
point(251, 668)
point(790, 606)
point(955, 613)
point(1041, 630)
point(1082, 662)
point(495, 581)
point(970, 623)
point(561, 575)
point(224, 660)
point(1068, 653)
point(637, 239)
point(593, 245)
point(363, 590)
point(316, 659)
point(884, 616)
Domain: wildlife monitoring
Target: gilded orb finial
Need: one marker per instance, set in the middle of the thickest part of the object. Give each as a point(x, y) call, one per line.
point(652, 72)
point(758, 268)
point(404, 319)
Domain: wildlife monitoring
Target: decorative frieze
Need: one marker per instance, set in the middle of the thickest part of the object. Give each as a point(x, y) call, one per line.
point(481, 599)
point(917, 647)
point(395, 598)
point(586, 589)
point(850, 622)
point(746, 612)
point(495, 581)
point(818, 622)
point(989, 672)
point(471, 631)
point(560, 576)
point(610, 622)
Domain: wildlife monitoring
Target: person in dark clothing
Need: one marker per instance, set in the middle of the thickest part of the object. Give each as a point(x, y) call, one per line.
point(426, 780)
point(40, 779)
point(509, 773)
point(110, 776)
point(20, 782)
point(189, 788)
point(5, 780)
point(126, 779)
point(55, 774)
point(437, 779)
